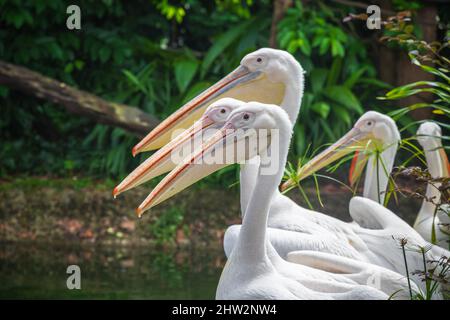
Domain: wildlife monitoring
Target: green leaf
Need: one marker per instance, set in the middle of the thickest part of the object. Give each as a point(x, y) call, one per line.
point(322, 108)
point(300, 139)
point(334, 72)
point(324, 45)
point(336, 48)
point(303, 43)
point(79, 64)
point(104, 54)
point(318, 77)
point(195, 90)
point(342, 114)
point(68, 68)
point(134, 80)
point(354, 77)
point(185, 70)
point(345, 97)
point(285, 37)
point(221, 43)
point(3, 91)
point(376, 82)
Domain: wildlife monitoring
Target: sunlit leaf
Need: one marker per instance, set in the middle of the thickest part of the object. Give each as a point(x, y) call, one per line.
point(185, 70)
point(344, 96)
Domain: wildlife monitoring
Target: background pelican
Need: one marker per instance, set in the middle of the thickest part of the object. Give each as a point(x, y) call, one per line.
point(374, 138)
point(428, 222)
point(375, 225)
point(266, 75)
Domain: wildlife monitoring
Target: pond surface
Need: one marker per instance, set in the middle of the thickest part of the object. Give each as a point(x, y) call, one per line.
point(39, 271)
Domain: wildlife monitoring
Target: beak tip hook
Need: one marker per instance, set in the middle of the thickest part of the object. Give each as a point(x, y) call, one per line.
point(134, 151)
point(139, 212)
point(115, 192)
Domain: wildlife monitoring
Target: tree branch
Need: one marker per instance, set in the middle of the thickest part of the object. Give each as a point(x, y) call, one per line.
point(76, 101)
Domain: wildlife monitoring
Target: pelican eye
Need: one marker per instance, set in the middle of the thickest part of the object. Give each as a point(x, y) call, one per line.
point(369, 123)
point(246, 116)
point(222, 110)
point(259, 59)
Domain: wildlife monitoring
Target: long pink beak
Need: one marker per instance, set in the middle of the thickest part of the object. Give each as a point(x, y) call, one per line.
point(161, 161)
point(191, 170)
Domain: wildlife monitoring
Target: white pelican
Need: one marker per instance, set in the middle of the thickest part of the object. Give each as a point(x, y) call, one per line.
point(374, 139)
point(250, 272)
point(355, 272)
point(428, 220)
point(266, 75)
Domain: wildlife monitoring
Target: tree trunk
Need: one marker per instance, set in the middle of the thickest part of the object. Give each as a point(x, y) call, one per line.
point(279, 9)
point(395, 67)
point(76, 101)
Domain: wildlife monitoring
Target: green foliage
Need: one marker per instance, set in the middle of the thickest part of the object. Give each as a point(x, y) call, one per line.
point(340, 77)
point(429, 57)
point(125, 52)
point(165, 228)
point(156, 55)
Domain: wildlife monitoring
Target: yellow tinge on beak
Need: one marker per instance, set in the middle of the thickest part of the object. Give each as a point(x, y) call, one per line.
point(354, 141)
point(359, 161)
point(445, 162)
point(191, 170)
point(240, 84)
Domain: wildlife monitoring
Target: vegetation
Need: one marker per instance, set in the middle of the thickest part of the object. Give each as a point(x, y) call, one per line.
point(341, 78)
point(158, 54)
point(139, 53)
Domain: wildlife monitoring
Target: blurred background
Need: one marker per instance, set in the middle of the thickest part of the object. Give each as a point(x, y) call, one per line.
point(63, 148)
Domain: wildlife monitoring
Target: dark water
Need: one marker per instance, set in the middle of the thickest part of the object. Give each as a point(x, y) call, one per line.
point(39, 271)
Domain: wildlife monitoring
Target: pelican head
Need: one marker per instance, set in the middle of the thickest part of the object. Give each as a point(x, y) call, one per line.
point(373, 132)
point(429, 137)
point(262, 76)
point(229, 142)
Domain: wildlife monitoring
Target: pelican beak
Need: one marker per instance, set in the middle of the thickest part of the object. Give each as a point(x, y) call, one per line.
point(165, 158)
point(193, 110)
point(354, 140)
point(359, 161)
point(221, 148)
point(445, 162)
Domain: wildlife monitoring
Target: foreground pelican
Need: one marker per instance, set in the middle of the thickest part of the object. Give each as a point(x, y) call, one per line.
point(356, 272)
point(429, 223)
point(250, 273)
